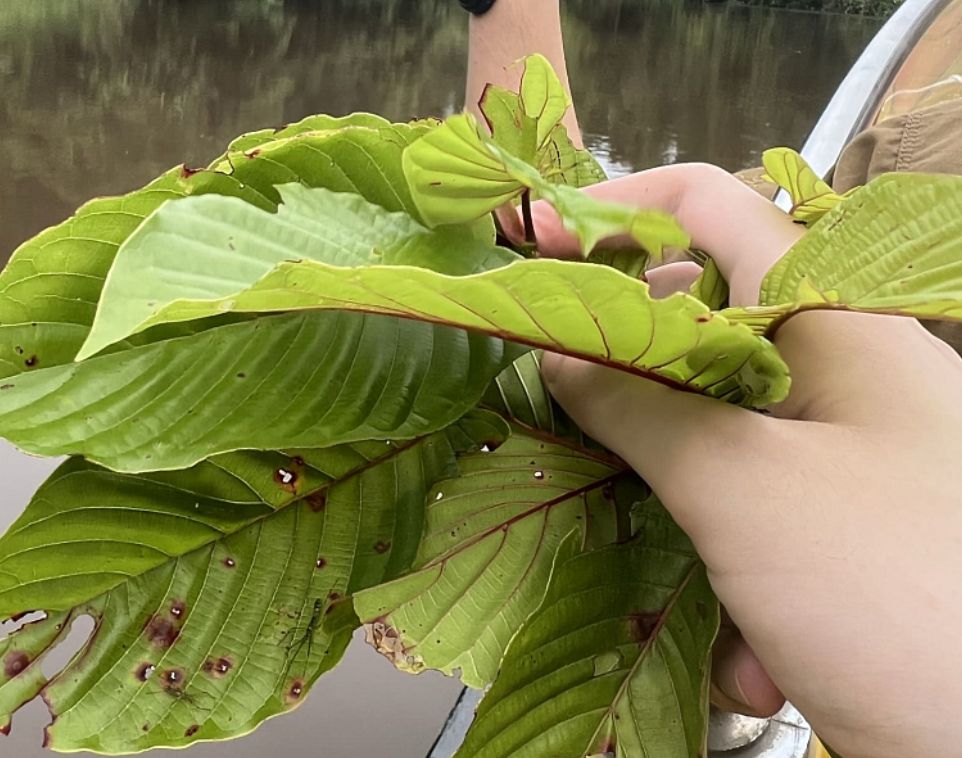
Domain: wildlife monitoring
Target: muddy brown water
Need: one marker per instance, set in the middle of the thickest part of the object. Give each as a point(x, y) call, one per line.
point(100, 96)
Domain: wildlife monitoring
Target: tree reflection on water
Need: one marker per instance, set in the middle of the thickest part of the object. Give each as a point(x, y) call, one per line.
point(100, 96)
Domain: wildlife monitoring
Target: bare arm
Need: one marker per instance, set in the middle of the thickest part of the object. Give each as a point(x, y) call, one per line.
point(511, 30)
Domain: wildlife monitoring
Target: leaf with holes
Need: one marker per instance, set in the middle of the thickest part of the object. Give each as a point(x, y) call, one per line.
point(492, 533)
point(614, 662)
point(812, 197)
point(220, 593)
point(573, 308)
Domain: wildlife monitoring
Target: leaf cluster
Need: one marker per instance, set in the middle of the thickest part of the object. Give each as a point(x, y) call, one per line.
point(300, 393)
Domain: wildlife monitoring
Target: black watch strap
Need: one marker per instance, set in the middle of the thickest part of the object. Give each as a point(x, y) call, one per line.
point(477, 7)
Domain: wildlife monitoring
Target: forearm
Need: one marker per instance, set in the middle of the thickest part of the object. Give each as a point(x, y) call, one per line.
point(511, 30)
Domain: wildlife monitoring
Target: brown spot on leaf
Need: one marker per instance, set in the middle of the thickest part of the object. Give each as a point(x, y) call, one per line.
point(295, 692)
point(242, 375)
point(186, 172)
point(6, 386)
point(192, 730)
point(286, 480)
point(178, 608)
point(161, 631)
point(317, 501)
point(253, 153)
point(19, 350)
point(218, 668)
point(15, 663)
point(31, 361)
point(298, 461)
point(173, 679)
point(23, 614)
point(145, 728)
point(145, 671)
point(321, 563)
point(643, 625)
point(704, 318)
point(230, 562)
point(386, 639)
point(382, 547)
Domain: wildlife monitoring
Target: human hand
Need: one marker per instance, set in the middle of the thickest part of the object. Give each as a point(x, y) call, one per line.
point(832, 529)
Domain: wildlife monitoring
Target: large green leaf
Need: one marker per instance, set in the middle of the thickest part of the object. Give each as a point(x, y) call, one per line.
point(172, 255)
point(895, 246)
point(50, 288)
point(614, 662)
point(573, 308)
point(513, 507)
point(490, 539)
point(226, 585)
point(293, 380)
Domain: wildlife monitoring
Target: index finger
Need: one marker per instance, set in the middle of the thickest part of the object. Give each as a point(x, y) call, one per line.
point(744, 232)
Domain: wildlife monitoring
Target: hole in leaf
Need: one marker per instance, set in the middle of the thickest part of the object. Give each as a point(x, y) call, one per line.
point(59, 656)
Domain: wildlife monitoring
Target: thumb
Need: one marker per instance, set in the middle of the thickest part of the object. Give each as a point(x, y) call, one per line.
point(686, 446)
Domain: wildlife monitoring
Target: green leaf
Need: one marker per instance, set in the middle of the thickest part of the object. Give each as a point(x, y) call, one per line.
point(893, 247)
point(710, 287)
point(251, 141)
point(21, 678)
point(198, 648)
point(292, 380)
point(615, 661)
point(243, 244)
point(456, 174)
point(53, 281)
point(576, 309)
point(811, 197)
point(365, 161)
point(229, 583)
point(543, 97)
point(453, 175)
point(490, 539)
point(528, 125)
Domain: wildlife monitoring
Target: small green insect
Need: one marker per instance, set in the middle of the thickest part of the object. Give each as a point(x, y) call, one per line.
point(307, 638)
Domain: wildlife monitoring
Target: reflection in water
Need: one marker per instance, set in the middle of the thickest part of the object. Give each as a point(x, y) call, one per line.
point(100, 96)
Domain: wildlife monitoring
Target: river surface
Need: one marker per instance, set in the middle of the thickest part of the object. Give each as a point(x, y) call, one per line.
point(99, 96)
